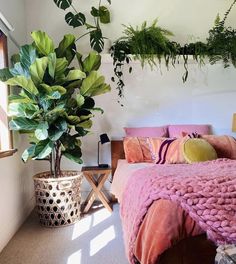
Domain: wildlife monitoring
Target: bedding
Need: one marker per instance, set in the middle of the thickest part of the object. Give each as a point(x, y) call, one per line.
point(178, 130)
point(146, 131)
point(186, 200)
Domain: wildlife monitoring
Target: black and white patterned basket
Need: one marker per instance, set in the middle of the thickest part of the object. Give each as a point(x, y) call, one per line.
point(226, 254)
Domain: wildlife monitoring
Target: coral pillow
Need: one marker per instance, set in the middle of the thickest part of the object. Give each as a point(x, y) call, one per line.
point(167, 150)
point(225, 146)
point(197, 150)
point(146, 131)
point(177, 130)
point(137, 149)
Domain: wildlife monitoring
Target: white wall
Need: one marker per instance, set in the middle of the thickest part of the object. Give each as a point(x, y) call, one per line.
point(16, 195)
point(151, 97)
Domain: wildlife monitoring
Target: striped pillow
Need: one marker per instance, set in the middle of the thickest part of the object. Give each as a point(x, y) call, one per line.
point(167, 150)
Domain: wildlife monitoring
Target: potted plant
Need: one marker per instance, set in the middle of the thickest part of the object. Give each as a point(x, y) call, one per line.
point(54, 107)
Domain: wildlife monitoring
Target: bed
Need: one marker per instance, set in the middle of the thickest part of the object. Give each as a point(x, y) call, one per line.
point(183, 242)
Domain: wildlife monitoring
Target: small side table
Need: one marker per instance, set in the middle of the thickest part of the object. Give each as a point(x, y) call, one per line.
point(96, 177)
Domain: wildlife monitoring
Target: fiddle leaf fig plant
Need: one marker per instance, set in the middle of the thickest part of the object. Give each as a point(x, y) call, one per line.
point(55, 104)
point(100, 14)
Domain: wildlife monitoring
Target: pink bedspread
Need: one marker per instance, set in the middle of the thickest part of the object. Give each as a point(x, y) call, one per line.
point(207, 191)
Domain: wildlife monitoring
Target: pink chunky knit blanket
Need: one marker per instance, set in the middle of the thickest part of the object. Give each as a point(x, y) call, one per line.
point(207, 191)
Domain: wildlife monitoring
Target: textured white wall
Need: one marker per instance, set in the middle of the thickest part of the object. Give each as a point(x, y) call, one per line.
point(151, 97)
point(16, 195)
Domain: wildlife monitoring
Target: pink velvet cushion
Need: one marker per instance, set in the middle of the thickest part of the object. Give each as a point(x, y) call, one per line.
point(137, 150)
point(177, 130)
point(225, 146)
point(167, 150)
point(146, 131)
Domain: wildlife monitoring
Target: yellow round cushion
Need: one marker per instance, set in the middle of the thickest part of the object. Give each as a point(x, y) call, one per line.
point(197, 149)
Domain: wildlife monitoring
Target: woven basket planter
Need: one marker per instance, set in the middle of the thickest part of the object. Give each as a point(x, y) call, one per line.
point(58, 199)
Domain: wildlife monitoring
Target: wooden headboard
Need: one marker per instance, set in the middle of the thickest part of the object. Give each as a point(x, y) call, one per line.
point(117, 152)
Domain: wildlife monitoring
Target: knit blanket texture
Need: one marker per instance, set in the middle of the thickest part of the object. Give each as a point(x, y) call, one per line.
point(206, 190)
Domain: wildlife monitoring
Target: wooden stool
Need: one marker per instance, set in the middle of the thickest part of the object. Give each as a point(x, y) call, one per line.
point(96, 177)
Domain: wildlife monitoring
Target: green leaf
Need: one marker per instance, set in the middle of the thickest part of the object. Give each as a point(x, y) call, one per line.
point(56, 131)
point(21, 123)
point(28, 153)
point(52, 115)
point(54, 95)
point(94, 12)
point(94, 85)
point(98, 109)
point(21, 81)
point(73, 120)
point(104, 15)
point(41, 132)
point(37, 70)
point(15, 58)
point(19, 99)
point(86, 124)
point(43, 149)
point(43, 42)
point(75, 20)
point(63, 4)
point(5, 74)
point(27, 56)
point(52, 59)
point(22, 109)
point(81, 132)
point(96, 40)
point(80, 100)
point(61, 65)
point(75, 75)
point(18, 70)
point(67, 48)
point(55, 88)
point(73, 154)
point(92, 62)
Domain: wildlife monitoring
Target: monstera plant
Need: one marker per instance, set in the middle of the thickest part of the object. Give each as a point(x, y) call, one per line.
point(54, 106)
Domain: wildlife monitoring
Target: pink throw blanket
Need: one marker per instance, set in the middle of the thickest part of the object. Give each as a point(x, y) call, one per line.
point(207, 191)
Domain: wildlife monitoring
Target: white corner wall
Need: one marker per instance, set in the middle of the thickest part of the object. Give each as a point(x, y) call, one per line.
point(16, 195)
point(152, 97)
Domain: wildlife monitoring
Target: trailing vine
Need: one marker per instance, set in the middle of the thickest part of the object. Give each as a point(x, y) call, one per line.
point(151, 44)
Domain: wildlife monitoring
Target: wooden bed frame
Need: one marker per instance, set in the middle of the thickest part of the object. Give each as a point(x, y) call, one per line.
point(192, 250)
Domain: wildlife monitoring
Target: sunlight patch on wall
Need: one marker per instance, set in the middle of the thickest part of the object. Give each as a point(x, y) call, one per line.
point(102, 240)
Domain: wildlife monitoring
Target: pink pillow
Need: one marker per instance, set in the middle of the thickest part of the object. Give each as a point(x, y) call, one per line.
point(225, 146)
point(146, 131)
point(167, 150)
point(177, 130)
point(137, 150)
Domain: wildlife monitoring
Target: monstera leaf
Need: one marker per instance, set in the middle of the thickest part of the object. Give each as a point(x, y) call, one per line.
point(76, 20)
point(96, 40)
point(63, 4)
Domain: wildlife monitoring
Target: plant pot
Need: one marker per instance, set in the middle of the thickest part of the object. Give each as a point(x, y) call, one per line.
point(58, 200)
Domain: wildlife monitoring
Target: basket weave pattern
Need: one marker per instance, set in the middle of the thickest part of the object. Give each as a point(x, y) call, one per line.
point(58, 199)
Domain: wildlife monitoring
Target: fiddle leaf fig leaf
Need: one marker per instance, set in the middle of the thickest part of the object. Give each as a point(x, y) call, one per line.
point(27, 56)
point(19, 70)
point(104, 15)
point(75, 75)
point(43, 149)
point(67, 48)
point(86, 124)
point(28, 153)
point(94, 85)
point(21, 123)
point(96, 40)
point(52, 60)
point(5, 74)
point(22, 109)
point(80, 100)
point(41, 132)
point(92, 62)
point(75, 20)
point(61, 65)
point(21, 81)
point(37, 70)
point(63, 4)
point(43, 42)
point(73, 155)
